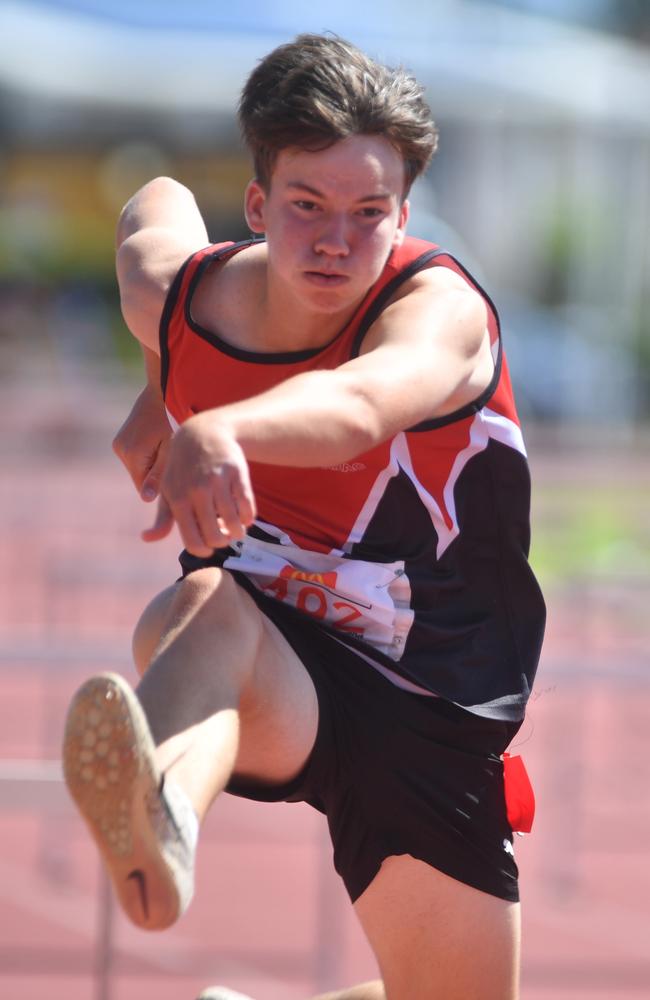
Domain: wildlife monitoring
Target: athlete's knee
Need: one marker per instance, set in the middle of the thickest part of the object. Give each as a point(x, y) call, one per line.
point(150, 628)
point(226, 604)
point(173, 605)
point(214, 627)
point(201, 583)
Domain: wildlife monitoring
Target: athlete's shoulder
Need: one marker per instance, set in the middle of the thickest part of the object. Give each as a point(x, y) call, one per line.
point(412, 251)
point(433, 310)
point(422, 267)
point(226, 279)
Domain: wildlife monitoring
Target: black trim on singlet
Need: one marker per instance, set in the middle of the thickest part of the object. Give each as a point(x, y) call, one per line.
point(287, 357)
point(381, 302)
point(483, 399)
point(257, 357)
point(165, 317)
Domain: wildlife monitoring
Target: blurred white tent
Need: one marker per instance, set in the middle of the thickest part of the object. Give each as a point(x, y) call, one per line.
point(479, 60)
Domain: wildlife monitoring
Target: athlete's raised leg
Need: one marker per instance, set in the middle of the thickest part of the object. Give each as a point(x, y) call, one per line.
point(224, 692)
point(436, 937)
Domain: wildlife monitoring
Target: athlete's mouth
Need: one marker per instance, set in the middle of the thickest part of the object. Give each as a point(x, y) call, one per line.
point(327, 277)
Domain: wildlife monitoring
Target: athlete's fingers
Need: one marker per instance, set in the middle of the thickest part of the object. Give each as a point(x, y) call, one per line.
point(184, 513)
point(151, 485)
point(244, 498)
point(162, 524)
point(227, 508)
point(211, 527)
point(141, 437)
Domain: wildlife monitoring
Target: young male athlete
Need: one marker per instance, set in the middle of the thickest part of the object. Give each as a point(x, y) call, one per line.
point(357, 625)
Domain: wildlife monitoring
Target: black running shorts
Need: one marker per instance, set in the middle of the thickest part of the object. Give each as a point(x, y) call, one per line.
point(395, 772)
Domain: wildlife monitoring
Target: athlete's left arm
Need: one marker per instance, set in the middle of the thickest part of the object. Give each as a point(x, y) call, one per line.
point(427, 355)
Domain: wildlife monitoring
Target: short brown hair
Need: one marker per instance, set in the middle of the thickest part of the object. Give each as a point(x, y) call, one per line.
point(318, 89)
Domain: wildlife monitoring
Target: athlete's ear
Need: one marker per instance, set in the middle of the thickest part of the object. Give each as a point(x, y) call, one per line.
point(254, 201)
point(400, 232)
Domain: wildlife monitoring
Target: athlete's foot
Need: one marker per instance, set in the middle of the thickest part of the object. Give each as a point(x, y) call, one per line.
point(145, 829)
point(221, 993)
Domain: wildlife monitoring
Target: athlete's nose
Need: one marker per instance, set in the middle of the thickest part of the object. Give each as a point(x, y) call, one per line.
point(333, 238)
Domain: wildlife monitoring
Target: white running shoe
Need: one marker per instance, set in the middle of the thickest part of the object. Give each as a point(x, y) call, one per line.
point(221, 993)
point(145, 829)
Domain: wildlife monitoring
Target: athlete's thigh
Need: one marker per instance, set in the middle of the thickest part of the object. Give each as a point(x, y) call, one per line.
point(221, 651)
point(279, 721)
point(438, 939)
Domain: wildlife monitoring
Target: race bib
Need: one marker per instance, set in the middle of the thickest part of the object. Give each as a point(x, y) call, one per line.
point(368, 600)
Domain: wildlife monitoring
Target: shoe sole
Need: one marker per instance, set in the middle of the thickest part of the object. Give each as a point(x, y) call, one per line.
point(110, 771)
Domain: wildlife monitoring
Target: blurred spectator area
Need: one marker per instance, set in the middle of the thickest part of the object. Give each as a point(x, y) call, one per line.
point(541, 183)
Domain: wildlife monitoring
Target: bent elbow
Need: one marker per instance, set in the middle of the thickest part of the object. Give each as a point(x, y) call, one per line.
point(160, 191)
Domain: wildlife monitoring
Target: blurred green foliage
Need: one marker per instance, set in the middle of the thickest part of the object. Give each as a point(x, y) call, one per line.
point(585, 530)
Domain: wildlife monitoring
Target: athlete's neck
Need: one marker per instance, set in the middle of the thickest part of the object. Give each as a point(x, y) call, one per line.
point(290, 326)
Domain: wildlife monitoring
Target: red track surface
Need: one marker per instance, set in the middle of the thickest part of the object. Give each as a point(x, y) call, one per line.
point(269, 917)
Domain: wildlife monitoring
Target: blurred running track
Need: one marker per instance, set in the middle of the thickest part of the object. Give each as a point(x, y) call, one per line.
point(269, 917)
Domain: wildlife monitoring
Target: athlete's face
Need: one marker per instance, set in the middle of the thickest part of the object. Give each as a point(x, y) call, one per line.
point(331, 219)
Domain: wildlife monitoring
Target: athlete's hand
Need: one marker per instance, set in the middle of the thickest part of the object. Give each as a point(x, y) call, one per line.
point(205, 488)
point(142, 443)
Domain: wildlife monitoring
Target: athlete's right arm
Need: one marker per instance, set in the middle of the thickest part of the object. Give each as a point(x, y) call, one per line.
point(158, 229)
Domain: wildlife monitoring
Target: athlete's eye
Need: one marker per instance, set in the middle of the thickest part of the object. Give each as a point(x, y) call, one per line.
point(306, 206)
point(371, 212)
